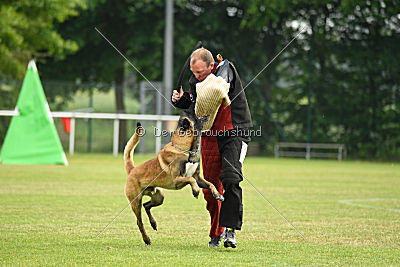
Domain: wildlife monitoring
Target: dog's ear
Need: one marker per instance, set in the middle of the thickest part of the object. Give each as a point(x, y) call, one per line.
point(185, 125)
point(205, 119)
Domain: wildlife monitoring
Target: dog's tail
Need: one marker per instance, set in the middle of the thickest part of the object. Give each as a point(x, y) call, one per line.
point(130, 147)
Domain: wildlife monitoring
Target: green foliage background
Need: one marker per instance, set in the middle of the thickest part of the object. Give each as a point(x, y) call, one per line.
point(343, 69)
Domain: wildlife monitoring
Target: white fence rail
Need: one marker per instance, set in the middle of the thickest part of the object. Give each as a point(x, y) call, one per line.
point(110, 116)
point(305, 150)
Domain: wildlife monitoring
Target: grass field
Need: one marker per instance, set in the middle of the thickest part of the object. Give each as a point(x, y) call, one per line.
point(349, 213)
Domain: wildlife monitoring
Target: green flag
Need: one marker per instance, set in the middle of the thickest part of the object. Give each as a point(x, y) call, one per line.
point(32, 136)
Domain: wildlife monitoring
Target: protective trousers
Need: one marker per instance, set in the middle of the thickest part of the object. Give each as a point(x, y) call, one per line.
point(222, 159)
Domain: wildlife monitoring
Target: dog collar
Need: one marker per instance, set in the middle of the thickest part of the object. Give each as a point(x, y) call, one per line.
point(185, 151)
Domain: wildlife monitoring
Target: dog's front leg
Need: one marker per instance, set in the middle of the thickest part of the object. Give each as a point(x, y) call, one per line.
point(207, 185)
point(181, 181)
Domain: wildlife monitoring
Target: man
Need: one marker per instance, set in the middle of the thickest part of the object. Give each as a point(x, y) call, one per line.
point(223, 150)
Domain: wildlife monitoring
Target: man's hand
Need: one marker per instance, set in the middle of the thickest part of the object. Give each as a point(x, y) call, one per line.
point(177, 95)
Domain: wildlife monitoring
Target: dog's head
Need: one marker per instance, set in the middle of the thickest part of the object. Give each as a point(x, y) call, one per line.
point(189, 129)
point(189, 121)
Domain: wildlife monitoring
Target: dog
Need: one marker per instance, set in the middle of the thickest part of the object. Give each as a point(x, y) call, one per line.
point(176, 165)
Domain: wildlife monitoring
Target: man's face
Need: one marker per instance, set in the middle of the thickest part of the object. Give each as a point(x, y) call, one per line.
point(200, 69)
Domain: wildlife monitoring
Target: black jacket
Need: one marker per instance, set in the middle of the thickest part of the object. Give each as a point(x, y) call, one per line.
point(240, 113)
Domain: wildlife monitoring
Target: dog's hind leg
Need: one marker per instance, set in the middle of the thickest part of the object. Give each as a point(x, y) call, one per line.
point(137, 209)
point(157, 198)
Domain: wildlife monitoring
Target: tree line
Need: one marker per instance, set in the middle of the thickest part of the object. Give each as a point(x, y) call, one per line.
point(330, 68)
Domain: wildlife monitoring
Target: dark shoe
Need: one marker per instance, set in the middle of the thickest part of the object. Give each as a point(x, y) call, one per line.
point(230, 240)
point(215, 242)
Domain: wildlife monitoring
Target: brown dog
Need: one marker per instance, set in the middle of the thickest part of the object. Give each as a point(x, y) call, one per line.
point(176, 166)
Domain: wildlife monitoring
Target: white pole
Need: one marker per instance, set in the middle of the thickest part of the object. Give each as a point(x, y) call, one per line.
point(116, 134)
point(72, 137)
point(276, 150)
point(158, 137)
point(168, 53)
point(340, 152)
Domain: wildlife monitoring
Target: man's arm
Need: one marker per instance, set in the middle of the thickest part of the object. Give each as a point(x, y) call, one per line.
point(181, 101)
point(184, 100)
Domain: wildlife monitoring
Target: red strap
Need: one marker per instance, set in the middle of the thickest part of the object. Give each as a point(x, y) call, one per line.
point(214, 70)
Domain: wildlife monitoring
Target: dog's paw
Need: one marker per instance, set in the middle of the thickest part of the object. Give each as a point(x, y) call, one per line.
point(196, 193)
point(147, 241)
point(217, 195)
point(220, 198)
point(154, 225)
